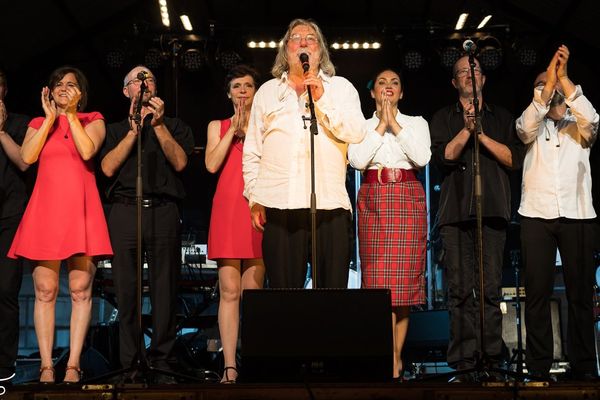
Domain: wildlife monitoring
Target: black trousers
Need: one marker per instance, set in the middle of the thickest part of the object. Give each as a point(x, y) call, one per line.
point(287, 247)
point(161, 243)
point(10, 284)
point(539, 240)
point(462, 266)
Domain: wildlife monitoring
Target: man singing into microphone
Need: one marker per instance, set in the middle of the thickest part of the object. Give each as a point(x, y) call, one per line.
point(453, 130)
point(276, 161)
point(166, 145)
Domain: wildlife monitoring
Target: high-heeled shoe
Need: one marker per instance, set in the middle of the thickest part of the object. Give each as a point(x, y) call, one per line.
point(42, 371)
point(72, 368)
point(226, 378)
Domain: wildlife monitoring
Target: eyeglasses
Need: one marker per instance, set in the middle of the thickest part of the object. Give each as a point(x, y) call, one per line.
point(466, 71)
point(310, 38)
point(137, 82)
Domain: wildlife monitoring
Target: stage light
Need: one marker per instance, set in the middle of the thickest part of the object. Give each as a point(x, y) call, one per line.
point(376, 45)
point(346, 46)
point(115, 58)
point(460, 23)
point(262, 44)
point(153, 58)
point(192, 60)
point(484, 21)
point(527, 56)
point(272, 44)
point(164, 13)
point(449, 55)
point(355, 45)
point(413, 60)
point(490, 53)
point(252, 44)
point(187, 24)
point(366, 45)
point(228, 59)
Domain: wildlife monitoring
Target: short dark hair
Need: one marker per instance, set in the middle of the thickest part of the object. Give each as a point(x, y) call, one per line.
point(240, 71)
point(82, 81)
point(371, 83)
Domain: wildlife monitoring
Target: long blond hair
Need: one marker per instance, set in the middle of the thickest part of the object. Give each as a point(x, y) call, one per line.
point(281, 63)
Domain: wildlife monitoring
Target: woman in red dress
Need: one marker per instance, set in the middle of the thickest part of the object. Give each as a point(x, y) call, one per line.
point(231, 241)
point(64, 219)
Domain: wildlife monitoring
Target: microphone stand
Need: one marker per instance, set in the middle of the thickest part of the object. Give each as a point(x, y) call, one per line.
point(313, 196)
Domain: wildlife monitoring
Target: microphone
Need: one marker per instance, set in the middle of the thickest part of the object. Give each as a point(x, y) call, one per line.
point(143, 75)
point(304, 61)
point(469, 46)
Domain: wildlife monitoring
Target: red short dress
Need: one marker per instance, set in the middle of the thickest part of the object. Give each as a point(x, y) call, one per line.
point(231, 234)
point(64, 216)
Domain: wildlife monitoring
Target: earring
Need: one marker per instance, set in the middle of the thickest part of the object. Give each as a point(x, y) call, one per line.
point(228, 96)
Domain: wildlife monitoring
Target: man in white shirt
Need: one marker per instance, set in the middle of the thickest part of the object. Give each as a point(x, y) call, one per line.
point(559, 128)
point(276, 161)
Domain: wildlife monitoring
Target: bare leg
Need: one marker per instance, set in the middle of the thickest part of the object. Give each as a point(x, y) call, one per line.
point(400, 320)
point(81, 277)
point(45, 282)
point(229, 311)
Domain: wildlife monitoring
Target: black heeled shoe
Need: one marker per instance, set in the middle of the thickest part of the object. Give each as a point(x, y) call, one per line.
point(225, 379)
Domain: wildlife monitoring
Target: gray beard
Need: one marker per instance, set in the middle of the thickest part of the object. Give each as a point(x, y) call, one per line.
point(557, 99)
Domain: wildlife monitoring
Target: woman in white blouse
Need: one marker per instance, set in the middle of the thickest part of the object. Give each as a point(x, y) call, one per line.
point(392, 215)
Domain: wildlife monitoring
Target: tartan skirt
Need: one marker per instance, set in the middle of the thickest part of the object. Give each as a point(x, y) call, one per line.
point(392, 233)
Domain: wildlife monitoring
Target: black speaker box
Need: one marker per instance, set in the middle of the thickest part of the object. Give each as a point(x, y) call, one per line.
point(333, 335)
point(427, 336)
point(509, 327)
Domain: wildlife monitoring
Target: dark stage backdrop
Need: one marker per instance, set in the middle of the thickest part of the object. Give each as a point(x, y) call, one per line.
point(199, 97)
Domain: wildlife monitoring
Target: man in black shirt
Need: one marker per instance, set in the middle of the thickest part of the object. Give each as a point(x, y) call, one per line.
point(452, 130)
point(13, 199)
point(166, 145)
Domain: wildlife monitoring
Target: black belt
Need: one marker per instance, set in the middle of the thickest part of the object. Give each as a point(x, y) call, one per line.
point(147, 202)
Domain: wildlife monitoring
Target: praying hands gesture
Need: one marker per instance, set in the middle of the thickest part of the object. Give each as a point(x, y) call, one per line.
point(239, 122)
point(386, 112)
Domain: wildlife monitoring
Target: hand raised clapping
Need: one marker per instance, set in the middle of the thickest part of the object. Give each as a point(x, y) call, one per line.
point(48, 104)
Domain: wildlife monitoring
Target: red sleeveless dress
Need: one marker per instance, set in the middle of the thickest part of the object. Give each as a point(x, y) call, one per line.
point(64, 216)
point(231, 234)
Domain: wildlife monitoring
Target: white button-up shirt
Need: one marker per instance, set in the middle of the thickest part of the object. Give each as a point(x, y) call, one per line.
point(276, 160)
point(410, 149)
point(556, 172)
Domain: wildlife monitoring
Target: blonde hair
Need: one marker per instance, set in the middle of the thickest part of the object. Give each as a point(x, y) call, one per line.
point(281, 63)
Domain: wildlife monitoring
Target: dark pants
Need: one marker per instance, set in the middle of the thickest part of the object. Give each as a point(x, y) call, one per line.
point(539, 240)
point(462, 266)
point(161, 243)
point(10, 284)
point(287, 247)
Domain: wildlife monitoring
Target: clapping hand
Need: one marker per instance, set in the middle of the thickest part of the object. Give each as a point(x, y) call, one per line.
point(48, 104)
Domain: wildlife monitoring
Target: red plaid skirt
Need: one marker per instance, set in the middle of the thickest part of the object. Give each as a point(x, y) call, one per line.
point(392, 233)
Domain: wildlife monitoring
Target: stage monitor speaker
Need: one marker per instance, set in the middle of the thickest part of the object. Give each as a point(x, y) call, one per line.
point(427, 336)
point(300, 335)
point(509, 327)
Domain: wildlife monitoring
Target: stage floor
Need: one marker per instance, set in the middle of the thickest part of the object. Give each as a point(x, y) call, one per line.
point(355, 391)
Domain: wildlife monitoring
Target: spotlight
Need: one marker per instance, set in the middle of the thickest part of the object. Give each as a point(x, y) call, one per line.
point(228, 59)
point(115, 58)
point(153, 58)
point(527, 56)
point(413, 60)
point(490, 53)
point(192, 60)
point(449, 55)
